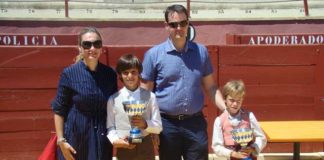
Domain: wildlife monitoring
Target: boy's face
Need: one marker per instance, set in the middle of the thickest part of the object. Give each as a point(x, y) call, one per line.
point(131, 78)
point(233, 104)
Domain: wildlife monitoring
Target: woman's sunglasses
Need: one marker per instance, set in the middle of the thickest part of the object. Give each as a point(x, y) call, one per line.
point(176, 24)
point(87, 44)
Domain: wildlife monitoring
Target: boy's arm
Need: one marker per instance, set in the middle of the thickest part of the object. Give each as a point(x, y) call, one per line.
point(111, 129)
point(260, 138)
point(218, 140)
point(154, 124)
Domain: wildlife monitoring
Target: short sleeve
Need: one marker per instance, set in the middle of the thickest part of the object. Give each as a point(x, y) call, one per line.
point(207, 68)
point(148, 72)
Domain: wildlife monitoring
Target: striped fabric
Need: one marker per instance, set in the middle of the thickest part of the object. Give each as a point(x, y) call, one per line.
point(81, 99)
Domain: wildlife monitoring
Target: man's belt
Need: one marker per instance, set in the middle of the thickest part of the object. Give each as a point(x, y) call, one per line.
point(181, 116)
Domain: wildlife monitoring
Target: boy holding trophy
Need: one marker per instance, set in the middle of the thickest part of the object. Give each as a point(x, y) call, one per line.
point(132, 114)
point(237, 133)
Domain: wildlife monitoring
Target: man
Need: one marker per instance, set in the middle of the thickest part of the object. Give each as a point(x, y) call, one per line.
point(178, 71)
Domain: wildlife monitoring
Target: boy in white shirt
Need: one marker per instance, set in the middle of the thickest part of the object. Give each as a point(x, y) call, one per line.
point(129, 68)
point(232, 118)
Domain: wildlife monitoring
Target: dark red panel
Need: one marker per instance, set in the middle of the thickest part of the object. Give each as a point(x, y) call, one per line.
point(288, 147)
point(36, 78)
point(26, 121)
point(283, 112)
point(264, 75)
point(14, 155)
point(39, 57)
point(268, 55)
point(23, 100)
point(319, 81)
point(23, 141)
point(280, 94)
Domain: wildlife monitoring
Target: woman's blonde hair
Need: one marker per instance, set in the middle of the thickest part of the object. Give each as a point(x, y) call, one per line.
point(82, 32)
point(234, 88)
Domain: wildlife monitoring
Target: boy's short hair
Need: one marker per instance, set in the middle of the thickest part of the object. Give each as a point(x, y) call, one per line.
point(128, 61)
point(234, 88)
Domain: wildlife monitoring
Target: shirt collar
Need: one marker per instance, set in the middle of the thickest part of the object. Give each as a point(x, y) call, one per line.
point(170, 47)
point(131, 95)
point(238, 116)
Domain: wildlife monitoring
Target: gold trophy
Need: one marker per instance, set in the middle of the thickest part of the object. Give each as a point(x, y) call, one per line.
point(243, 136)
point(135, 108)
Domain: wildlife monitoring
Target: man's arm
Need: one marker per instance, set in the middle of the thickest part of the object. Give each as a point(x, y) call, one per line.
point(147, 84)
point(214, 94)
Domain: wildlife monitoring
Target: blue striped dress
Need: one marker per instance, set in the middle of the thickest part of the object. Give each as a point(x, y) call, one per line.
point(81, 99)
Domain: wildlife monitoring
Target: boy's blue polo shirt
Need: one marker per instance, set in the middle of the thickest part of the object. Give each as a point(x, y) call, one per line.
point(177, 76)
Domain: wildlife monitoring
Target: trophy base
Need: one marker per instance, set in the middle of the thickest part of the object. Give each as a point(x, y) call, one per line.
point(135, 140)
point(247, 158)
point(135, 136)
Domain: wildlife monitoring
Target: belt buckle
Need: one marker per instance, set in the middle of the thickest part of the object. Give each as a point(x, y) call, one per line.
point(181, 117)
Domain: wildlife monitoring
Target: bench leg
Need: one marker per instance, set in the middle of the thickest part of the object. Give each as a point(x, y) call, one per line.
point(296, 155)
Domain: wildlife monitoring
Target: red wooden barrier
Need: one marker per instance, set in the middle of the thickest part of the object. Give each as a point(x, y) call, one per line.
point(283, 83)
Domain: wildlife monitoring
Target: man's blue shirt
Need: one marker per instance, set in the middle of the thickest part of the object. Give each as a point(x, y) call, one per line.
point(177, 76)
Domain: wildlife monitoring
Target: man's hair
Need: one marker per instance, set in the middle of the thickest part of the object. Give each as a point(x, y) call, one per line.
point(234, 88)
point(175, 8)
point(128, 61)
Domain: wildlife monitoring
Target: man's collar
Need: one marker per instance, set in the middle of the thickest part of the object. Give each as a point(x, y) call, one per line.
point(171, 47)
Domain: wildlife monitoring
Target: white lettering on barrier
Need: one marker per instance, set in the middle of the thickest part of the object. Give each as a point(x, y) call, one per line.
point(28, 40)
point(286, 40)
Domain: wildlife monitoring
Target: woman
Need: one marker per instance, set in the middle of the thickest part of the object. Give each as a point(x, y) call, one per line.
point(80, 105)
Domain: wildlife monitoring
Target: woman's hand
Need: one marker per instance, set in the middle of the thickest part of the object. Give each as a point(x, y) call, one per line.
point(67, 150)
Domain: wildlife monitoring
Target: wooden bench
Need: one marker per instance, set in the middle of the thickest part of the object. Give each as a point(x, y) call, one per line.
point(295, 132)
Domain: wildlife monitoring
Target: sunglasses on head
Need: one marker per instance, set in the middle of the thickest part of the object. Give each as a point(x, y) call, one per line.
point(176, 24)
point(87, 44)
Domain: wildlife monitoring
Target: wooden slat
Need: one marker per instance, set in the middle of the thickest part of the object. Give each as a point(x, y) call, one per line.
point(26, 121)
point(288, 147)
point(26, 100)
point(24, 141)
point(37, 56)
point(279, 94)
point(319, 81)
point(282, 112)
point(40, 56)
point(268, 55)
point(23, 78)
point(26, 155)
point(269, 74)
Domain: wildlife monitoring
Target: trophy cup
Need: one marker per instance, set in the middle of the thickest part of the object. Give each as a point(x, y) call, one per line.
point(134, 108)
point(243, 136)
